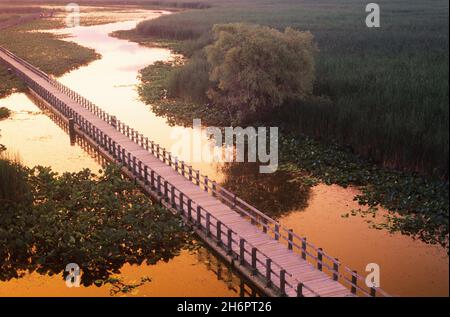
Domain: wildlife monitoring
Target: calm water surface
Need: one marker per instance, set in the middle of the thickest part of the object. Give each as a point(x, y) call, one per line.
point(408, 267)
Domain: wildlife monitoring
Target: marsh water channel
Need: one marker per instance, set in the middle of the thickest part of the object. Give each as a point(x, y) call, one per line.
point(408, 267)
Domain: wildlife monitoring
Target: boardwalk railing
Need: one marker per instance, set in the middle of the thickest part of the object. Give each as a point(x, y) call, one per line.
point(228, 240)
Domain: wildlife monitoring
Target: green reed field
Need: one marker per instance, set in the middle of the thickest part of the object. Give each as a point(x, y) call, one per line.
point(387, 88)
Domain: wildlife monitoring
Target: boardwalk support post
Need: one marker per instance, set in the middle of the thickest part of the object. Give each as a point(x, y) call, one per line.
point(219, 233)
point(214, 188)
point(181, 201)
point(242, 251)
point(319, 258)
point(114, 122)
point(335, 269)
point(300, 290)
point(208, 224)
point(304, 248)
point(146, 175)
point(269, 272)
point(189, 209)
point(166, 191)
point(290, 239)
point(254, 261)
point(283, 282)
point(230, 242)
point(72, 130)
point(277, 231)
point(172, 196)
point(199, 216)
point(354, 281)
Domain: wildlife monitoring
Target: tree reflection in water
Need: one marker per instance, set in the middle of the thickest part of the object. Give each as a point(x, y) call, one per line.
point(275, 194)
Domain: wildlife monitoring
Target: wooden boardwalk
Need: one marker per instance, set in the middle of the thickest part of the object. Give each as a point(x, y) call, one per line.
point(274, 258)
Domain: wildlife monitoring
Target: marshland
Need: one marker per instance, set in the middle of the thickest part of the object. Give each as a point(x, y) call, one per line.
point(363, 150)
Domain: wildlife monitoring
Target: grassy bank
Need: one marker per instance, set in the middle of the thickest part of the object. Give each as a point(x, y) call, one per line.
point(387, 86)
point(47, 51)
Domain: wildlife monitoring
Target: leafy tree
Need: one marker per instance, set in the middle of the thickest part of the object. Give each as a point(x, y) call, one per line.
point(255, 69)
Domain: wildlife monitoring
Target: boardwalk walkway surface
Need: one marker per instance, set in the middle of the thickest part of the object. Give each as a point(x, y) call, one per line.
point(273, 256)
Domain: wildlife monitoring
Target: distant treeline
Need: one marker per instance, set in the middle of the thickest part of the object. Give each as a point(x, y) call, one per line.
point(160, 3)
point(7, 10)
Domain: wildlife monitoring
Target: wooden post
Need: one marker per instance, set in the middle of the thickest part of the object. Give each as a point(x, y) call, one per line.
point(252, 219)
point(199, 216)
point(114, 122)
point(336, 269)
point(166, 190)
point(214, 188)
point(242, 251)
point(172, 196)
point(134, 165)
point(373, 291)
point(304, 248)
point(206, 183)
point(181, 202)
point(208, 224)
point(146, 175)
point(277, 231)
point(119, 152)
point(264, 225)
point(230, 241)
point(182, 168)
point(189, 209)
point(283, 282)
point(152, 179)
point(158, 183)
point(269, 272)
point(219, 233)
point(71, 130)
point(254, 261)
point(354, 281)
point(290, 239)
point(319, 259)
point(140, 169)
point(300, 290)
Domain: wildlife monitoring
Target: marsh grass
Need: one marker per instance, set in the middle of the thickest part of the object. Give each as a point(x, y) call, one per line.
point(388, 87)
point(47, 51)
